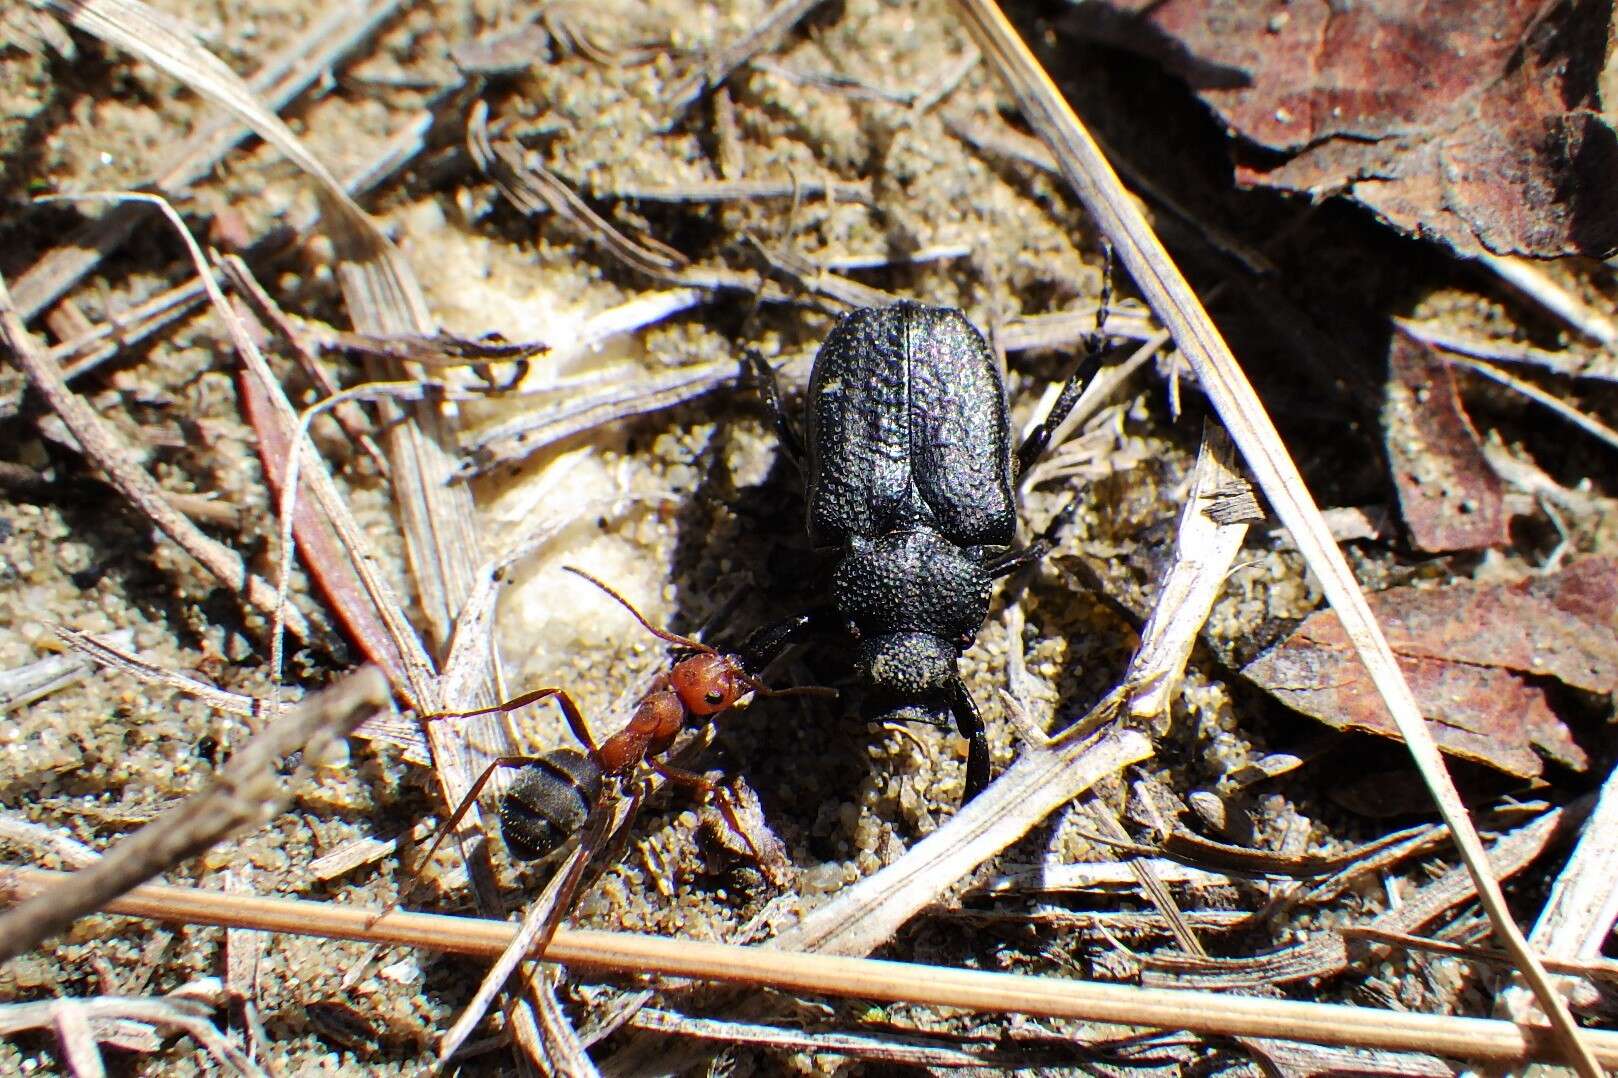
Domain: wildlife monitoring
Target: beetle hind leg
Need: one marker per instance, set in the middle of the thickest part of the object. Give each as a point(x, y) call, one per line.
point(769, 390)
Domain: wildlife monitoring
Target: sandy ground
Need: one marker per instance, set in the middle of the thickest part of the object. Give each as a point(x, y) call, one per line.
point(690, 511)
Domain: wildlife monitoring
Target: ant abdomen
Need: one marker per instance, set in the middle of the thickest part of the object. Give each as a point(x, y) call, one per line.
point(548, 802)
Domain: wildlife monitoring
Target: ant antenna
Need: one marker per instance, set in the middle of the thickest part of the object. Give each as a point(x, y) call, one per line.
point(661, 634)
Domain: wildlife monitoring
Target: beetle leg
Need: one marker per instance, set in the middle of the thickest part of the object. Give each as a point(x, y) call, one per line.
point(769, 389)
point(1039, 439)
point(970, 725)
point(1012, 560)
point(764, 645)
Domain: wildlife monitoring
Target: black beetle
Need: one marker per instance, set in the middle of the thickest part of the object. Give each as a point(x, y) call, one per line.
point(909, 473)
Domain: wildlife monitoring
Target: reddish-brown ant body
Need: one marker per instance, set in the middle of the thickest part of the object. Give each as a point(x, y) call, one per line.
point(555, 794)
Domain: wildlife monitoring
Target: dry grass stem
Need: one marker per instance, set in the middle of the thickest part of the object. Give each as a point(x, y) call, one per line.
point(533, 189)
point(1203, 554)
point(1572, 365)
point(85, 1018)
point(1534, 283)
point(102, 445)
point(89, 350)
point(1065, 329)
point(1579, 916)
point(242, 794)
point(1324, 954)
point(1589, 424)
point(36, 680)
point(105, 652)
point(48, 841)
point(735, 190)
point(281, 79)
point(1221, 378)
point(559, 1041)
point(770, 29)
point(863, 917)
point(891, 1047)
point(1477, 1039)
point(532, 431)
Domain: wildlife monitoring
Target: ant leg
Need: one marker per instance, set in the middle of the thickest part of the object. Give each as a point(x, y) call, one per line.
point(448, 827)
point(514, 704)
point(1039, 439)
point(570, 711)
point(970, 724)
point(701, 783)
point(769, 390)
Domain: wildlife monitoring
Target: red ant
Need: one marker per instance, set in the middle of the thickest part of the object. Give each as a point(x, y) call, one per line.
point(555, 794)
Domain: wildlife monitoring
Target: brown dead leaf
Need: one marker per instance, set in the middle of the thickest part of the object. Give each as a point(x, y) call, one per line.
point(1450, 497)
point(1478, 123)
point(1471, 653)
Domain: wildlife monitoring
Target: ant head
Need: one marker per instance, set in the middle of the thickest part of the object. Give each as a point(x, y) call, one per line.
point(707, 683)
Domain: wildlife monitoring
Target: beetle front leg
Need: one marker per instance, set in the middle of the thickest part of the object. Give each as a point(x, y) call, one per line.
point(1039, 439)
point(766, 644)
point(970, 724)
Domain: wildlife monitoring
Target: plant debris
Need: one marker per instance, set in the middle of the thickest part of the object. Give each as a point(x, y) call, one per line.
point(1475, 655)
point(1480, 124)
point(1450, 497)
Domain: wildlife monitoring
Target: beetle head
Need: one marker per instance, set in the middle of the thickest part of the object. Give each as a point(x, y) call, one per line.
point(909, 672)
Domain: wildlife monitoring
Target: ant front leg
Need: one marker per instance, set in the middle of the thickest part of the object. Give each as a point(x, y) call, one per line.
point(704, 786)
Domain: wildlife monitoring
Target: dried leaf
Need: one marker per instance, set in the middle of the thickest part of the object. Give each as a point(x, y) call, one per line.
point(1472, 653)
point(1480, 123)
point(1450, 497)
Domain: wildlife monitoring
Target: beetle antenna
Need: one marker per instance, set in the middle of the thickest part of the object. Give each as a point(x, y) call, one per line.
point(824, 692)
point(661, 634)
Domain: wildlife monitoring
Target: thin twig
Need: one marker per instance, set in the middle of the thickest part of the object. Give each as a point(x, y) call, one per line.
point(1222, 379)
point(186, 1016)
point(1589, 424)
point(770, 29)
point(1532, 281)
point(859, 978)
point(242, 793)
point(105, 652)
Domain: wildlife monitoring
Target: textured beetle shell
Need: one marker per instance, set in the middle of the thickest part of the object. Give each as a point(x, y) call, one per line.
point(907, 427)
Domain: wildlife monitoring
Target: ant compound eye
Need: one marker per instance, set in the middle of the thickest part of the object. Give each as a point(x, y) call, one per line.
point(704, 683)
